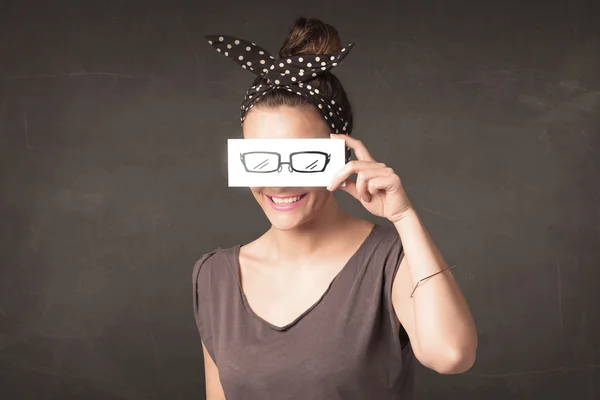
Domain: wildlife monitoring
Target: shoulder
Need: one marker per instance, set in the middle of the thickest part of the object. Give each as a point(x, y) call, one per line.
point(386, 238)
point(386, 251)
point(210, 265)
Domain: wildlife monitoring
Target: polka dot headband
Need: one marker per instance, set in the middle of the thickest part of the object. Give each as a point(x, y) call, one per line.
point(288, 73)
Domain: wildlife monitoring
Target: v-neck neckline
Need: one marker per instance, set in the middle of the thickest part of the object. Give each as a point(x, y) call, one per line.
point(238, 277)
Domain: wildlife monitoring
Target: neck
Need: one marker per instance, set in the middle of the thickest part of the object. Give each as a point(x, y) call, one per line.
point(312, 236)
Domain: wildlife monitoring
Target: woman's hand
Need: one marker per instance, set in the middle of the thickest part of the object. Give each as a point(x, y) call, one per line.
point(377, 186)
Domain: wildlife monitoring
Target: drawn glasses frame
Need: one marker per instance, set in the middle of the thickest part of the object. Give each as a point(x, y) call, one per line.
point(289, 163)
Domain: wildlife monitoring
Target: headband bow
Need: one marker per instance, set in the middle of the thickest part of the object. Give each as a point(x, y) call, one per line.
point(288, 73)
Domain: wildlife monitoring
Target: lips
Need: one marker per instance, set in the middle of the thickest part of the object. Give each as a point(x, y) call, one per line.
point(286, 199)
point(286, 203)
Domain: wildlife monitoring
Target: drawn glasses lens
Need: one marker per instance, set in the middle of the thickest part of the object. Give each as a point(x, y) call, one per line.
point(261, 162)
point(309, 161)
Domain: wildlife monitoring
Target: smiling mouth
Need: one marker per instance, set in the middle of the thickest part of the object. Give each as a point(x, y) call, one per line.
point(286, 200)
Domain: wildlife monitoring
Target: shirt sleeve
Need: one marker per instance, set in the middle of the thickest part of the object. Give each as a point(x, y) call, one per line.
point(202, 313)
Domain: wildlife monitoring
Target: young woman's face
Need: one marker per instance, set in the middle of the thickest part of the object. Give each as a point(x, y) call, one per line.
point(287, 207)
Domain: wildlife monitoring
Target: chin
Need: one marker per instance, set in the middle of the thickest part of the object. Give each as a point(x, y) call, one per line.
point(287, 217)
point(288, 222)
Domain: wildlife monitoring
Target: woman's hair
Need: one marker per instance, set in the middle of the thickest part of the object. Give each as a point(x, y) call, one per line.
point(310, 36)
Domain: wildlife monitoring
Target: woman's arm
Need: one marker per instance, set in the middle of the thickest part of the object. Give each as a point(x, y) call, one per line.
point(437, 318)
point(214, 390)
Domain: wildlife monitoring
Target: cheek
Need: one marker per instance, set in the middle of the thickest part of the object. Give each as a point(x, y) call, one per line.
point(319, 195)
point(256, 191)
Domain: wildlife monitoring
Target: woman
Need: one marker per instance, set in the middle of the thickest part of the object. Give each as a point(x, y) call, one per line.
point(324, 305)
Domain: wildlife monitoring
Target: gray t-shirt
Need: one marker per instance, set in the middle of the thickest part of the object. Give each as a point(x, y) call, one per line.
point(348, 345)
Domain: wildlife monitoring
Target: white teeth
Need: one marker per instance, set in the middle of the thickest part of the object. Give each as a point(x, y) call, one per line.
point(287, 200)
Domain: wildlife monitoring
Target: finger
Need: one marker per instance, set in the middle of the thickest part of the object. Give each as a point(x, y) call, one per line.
point(366, 175)
point(361, 186)
point(359, 148)
point(378, 169)
point(387, 183)
point(363, 178)
point(353, 167)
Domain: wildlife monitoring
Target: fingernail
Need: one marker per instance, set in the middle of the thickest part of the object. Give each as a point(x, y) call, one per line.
point(343, 184)
point(329, 187)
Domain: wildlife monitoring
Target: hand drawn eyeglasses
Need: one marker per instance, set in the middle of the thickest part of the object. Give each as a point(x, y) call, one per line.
point(301, 161)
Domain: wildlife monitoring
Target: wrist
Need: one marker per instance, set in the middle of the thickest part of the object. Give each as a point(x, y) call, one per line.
point(406, 215)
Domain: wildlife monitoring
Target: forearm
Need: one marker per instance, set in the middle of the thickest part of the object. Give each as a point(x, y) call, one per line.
point(442, 321)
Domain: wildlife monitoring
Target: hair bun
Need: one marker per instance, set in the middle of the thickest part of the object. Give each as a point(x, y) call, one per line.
point(311, 36)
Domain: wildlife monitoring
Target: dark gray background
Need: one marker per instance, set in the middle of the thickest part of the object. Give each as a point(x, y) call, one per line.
point(113, 125)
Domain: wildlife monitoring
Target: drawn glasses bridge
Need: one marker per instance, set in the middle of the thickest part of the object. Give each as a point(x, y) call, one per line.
point(301, 161)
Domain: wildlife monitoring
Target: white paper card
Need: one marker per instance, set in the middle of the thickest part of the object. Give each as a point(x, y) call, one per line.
point(284, 162)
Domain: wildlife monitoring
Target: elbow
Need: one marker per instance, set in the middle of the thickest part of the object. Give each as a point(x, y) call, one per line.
point(453, 361)
point(457, 362)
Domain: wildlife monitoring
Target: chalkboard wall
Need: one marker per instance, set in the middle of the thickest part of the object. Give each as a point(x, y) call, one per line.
point(113, 125)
